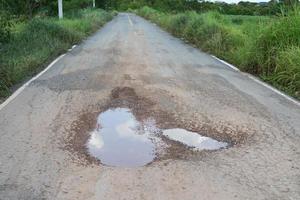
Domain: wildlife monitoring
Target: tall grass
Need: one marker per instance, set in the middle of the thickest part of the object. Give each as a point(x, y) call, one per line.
point(34, 43)
point(265, 46)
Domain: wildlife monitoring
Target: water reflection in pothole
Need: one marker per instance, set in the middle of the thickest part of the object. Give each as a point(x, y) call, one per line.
point(119, 139)
point(193, 140)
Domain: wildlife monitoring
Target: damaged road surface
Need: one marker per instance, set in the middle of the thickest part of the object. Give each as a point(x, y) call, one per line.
point(134, 113)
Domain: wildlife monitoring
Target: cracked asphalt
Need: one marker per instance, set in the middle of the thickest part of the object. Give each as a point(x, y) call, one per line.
point(191, 89)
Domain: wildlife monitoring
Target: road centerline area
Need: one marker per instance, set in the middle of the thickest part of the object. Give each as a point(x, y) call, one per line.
point(130, 22)
point(135, 113)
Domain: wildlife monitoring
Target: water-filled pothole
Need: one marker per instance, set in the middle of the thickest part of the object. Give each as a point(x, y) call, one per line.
point(193, 139)
point(119, 139)
point(131, 130)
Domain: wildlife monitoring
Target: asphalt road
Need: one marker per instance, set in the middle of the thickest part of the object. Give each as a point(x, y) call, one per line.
point(44, 127)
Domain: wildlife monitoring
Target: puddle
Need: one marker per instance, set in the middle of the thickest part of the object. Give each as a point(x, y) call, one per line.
point(193, 140)
point(129, 130)
point(119, 139)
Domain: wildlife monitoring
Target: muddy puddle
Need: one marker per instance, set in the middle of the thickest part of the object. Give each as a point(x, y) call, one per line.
point(119, 139)
point(132, 131)
point(193, 140)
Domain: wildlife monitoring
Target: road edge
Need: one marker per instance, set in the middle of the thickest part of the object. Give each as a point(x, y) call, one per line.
point(254, 78)
point(20, 89)
point(259, 81)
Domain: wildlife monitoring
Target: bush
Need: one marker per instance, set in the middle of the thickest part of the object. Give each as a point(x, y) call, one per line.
point(70, 5)
point(5, 27)
point(279, 35)
point(287, 72)
point(178, 23)
point(222, 40)
point(148, 13)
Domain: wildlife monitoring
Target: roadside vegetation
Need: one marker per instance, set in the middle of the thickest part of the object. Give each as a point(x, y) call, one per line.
point(28, 45)
point(174, 6)
point(259, 38)
point(267, 46)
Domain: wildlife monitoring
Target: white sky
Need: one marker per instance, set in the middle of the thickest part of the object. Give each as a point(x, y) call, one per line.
point(236, 1)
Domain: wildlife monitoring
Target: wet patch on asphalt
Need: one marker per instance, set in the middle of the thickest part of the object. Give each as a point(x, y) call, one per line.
point(130, 130)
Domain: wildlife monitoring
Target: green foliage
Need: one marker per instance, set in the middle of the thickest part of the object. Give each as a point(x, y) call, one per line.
point(5, 27)
point(175, 6)
point(268, 47)
point(277, 36)
point(74, 5)
point(287, 72)
point(34, 43)
point(29, 8)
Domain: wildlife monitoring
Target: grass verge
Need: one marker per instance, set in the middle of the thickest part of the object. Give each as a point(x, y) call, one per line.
point(36, 42)
point(268, 47)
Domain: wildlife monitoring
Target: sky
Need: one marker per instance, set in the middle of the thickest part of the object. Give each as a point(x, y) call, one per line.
point(236, 1)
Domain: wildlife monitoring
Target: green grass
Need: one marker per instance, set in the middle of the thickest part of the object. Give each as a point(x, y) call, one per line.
point(34, 43)
point(268, 47)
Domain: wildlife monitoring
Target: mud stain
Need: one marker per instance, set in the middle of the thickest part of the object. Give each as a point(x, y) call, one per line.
point(94, 138)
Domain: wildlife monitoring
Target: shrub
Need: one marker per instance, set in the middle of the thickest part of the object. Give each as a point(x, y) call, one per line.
point(178, 23)
point(5, 26)
point(222, 40)
point(193, 27)
point(287, 72)
point(147, 12)
point(279, 35)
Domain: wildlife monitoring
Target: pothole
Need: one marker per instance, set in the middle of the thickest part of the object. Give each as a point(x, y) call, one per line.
point(132, 131)
point(119, 139)
point(193, 140)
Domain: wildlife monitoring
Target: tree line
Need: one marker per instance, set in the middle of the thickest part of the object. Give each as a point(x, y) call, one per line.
point(272, 7)
point(28, 8)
